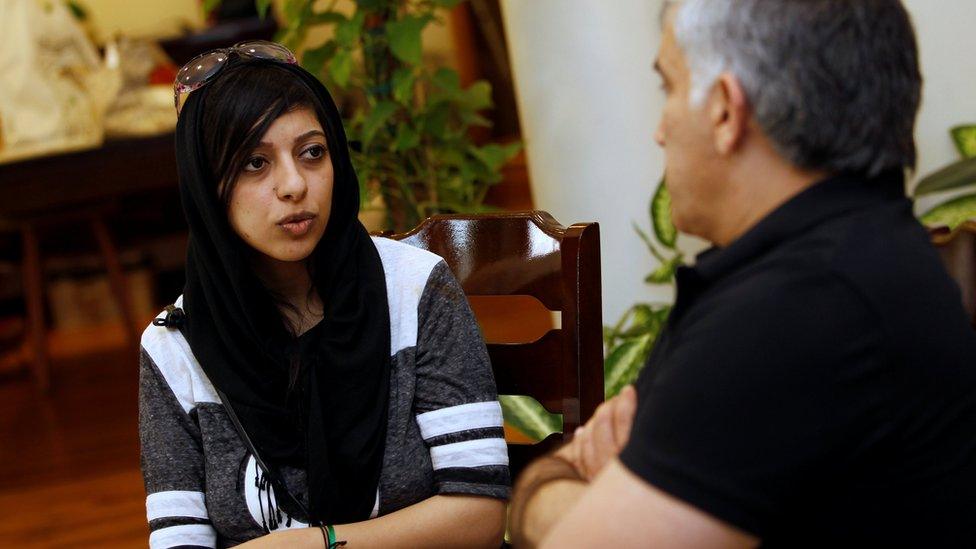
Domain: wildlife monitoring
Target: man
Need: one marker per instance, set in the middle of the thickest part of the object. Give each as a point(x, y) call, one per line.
point(816, 383)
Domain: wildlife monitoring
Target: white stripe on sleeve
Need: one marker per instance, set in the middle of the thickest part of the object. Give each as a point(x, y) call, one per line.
point(188, 534)
point(176, 503)
point(476, 415)
point(470, 453)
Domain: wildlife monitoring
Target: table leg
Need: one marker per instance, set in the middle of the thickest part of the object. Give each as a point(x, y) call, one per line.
point(116, 278)
point(34, 296)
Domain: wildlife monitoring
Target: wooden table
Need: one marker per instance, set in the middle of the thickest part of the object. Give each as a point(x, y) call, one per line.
point(78, 187)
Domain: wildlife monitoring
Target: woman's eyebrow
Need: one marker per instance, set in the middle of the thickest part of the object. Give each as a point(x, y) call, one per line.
point(308, 134)
point(302, 137)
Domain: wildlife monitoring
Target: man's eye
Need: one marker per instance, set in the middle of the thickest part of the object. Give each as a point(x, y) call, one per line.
point(254, 164)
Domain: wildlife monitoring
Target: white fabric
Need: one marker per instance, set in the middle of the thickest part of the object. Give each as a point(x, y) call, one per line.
point(54, 88)
point(254, 499)
point(470, 453)
point(475, 415)
point(412, 267)
point(188, 534)
point(176, 503)
point(171, 353)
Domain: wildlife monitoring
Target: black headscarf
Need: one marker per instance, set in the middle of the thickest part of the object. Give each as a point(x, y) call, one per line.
point(333, 422)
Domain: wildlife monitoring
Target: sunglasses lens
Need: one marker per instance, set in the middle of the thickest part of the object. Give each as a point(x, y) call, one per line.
point(199, 70)
point(266, 50)
point(202, 68)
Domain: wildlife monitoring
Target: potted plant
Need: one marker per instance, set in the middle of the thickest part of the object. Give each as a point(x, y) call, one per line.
point(951, 214)
point(629, 342)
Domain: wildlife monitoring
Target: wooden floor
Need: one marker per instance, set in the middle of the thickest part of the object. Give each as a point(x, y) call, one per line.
point(69, 461)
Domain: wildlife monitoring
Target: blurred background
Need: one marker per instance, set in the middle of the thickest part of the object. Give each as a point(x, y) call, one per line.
point(502, 104)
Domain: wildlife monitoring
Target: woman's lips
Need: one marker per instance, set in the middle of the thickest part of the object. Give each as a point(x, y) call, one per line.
point(299, 227)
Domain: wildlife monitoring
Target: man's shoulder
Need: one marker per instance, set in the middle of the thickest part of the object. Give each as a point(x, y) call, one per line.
point(878, 253)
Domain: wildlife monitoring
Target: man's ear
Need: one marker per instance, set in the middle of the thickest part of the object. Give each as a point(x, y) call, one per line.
point(729, 113)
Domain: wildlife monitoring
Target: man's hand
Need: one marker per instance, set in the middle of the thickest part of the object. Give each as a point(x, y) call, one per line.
point(550, 486)
point(603, 436)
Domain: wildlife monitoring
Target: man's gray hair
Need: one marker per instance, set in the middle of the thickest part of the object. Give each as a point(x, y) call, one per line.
point(835, 84)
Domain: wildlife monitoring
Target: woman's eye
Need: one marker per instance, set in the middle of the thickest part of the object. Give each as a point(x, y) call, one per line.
point(254, 164)
point(314, 152)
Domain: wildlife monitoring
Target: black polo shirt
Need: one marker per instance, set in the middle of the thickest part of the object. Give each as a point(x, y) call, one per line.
point(816, 382)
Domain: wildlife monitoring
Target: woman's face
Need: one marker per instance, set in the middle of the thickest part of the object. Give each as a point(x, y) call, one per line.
point(282, 198)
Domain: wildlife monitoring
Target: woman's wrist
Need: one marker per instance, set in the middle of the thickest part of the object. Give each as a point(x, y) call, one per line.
point(329, 537)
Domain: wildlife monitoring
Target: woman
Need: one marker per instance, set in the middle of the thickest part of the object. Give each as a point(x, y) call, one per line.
point(310, 378)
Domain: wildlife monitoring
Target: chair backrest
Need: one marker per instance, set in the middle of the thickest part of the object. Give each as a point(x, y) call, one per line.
point(529, 253)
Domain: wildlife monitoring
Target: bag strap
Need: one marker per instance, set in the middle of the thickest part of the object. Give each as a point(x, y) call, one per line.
point(176, 319)
point(257, 457)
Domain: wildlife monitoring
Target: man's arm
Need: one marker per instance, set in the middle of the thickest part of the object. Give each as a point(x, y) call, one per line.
point(619, 509)
point(551, 485)
point(581, 495)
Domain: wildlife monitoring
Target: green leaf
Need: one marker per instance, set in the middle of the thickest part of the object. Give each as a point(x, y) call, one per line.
point(405, 37)
point(647, 242)
point(370, 4)
point(262, 6)
point(314, 59)
point(447, 3)
point(474, 119)
point(293, 9)
point(952, 213)
point(210, 5)
point(447, 80)
point(624, 362)
point(403, 81)
point(434, 121)
point(965, 140)
point(327, 17)
point(664, 229)
point(407, 137)
point(476, 97)
point(953, 176)
point(376, 118)
point(340, 68)
point(494, 156)
point(347, 32)
point(643, 321)
point(528, 416)
point(78, 11)
point(665, 272)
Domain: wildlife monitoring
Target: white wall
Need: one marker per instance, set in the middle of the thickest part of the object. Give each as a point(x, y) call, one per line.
point(947, 39)
point(589, 104)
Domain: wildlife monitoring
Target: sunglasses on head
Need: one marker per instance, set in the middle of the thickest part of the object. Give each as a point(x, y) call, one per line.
point(202, 68)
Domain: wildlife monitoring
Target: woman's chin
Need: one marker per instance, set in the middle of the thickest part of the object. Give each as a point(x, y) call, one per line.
point(290, 255)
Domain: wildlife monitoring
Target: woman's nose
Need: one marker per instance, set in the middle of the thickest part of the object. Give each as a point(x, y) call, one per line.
point(291, 183)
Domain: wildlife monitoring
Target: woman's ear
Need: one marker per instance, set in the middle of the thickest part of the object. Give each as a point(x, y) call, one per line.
point(729, 113)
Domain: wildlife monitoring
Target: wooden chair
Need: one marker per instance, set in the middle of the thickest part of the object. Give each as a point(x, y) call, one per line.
point(529, 253)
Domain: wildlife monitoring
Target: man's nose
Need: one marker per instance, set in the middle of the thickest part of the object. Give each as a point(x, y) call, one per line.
point(659, 134)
